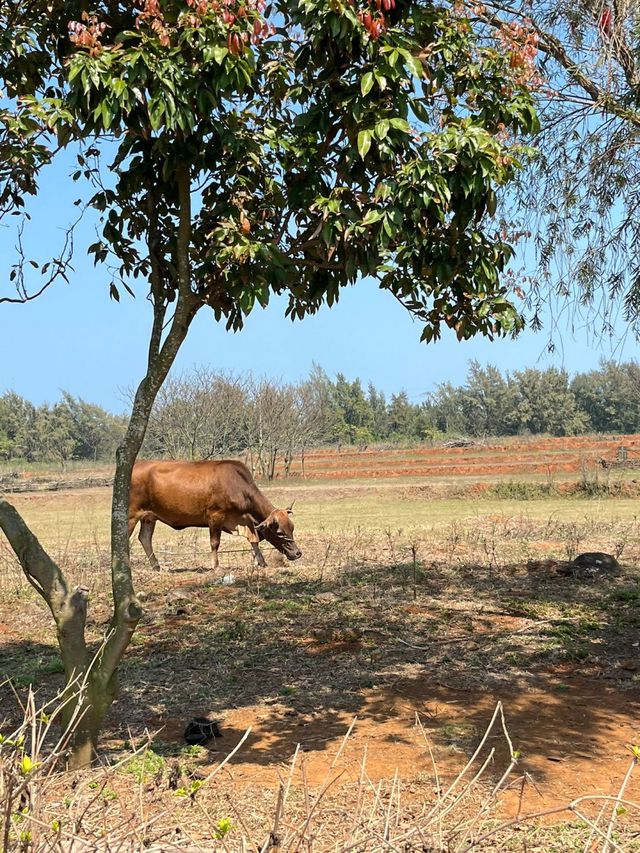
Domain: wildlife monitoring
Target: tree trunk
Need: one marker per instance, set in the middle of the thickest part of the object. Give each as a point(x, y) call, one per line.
point(92, 680)
point(86, 717)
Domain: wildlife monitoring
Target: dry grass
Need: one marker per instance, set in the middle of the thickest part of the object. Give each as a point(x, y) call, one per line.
point(145, 802)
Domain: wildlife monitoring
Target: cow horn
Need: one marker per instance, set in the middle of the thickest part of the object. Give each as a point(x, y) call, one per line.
point(290, 507)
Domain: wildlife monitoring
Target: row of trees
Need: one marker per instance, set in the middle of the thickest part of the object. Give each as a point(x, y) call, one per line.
point(207, 415)
point(69, 429)
point(540, 401)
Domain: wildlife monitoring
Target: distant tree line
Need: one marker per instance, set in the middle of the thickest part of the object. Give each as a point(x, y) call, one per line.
point(533, 401)
point(68, 429)
point(207, 415)
point(269, 423)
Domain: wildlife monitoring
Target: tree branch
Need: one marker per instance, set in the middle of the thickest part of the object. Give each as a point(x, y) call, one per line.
point(69, 610)
point(553, 47)
point(620, 47)
point(157, 290)
point(127, 609)
point(59, 266)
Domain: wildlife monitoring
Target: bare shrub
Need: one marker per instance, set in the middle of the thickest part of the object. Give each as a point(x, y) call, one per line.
point(139, 802)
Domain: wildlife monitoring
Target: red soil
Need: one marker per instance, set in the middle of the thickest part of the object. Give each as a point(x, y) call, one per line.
point(508, 458)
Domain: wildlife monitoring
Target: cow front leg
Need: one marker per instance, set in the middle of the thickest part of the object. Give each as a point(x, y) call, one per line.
point(146, 540)
point(257, 553)
point(214, 538)
point(254, 539)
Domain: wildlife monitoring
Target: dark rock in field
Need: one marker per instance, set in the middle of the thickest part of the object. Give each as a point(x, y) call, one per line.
point(598, 561)
point(592, 564)
point(200, 730)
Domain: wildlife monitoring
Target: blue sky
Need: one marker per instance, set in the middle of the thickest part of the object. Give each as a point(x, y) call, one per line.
point(75, 338)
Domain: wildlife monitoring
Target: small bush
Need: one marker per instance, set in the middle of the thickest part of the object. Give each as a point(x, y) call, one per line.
point(518, 490)
point(146, 766)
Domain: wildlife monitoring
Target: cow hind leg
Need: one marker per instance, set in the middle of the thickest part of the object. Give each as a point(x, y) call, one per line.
point(214, 537)
point(146, 540)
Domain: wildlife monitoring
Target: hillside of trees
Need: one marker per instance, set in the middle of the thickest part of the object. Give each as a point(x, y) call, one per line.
point(206, 414)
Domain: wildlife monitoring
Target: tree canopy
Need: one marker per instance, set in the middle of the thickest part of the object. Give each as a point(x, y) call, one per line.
point(323, 149)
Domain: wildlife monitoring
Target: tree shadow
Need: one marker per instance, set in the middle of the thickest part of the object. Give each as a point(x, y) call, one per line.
point(297, 659)
point(309, 658)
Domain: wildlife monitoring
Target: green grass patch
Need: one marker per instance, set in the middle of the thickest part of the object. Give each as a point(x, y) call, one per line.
point(31, 672)
point(148, 765)
point(522, 490)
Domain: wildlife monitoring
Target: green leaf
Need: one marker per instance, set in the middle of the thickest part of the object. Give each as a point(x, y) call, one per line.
point(382, 81)
point(366, 84)
point(364, 143)
point(415, 66)
point(107, 115)
point(371, 217)
point(27, 765)
point(420, 110)
point(219, 53)
point(382, 128)
point(400, 124)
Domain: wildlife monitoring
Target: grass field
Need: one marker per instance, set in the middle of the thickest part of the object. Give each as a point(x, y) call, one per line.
point(428, 596)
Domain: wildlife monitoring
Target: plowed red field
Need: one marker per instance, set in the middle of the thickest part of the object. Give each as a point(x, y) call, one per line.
point(502, 457)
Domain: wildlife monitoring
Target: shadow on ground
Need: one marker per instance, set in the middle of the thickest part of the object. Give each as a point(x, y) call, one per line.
point(297, 658)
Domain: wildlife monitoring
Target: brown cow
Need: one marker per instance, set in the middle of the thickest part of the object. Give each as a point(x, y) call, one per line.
point(218, 495)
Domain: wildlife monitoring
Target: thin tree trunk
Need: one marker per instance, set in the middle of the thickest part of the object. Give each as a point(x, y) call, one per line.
point(92, 679)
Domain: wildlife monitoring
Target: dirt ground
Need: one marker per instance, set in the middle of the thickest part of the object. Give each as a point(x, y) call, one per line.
point(381, 626)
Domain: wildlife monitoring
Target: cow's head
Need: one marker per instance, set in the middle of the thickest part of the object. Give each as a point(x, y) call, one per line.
point(277, 528)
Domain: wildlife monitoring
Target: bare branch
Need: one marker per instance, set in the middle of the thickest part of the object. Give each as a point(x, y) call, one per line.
point(59, 266)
